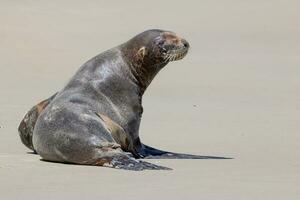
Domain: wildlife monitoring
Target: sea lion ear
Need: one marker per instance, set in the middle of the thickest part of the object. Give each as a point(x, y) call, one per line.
point(141, 53)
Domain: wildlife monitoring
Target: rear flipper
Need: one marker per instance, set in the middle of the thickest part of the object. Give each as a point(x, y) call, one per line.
point(128, 163)
point(152, 153)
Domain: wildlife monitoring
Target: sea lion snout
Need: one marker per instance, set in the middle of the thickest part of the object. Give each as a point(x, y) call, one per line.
point(185, 43)
point(173, 40)
point(175, 48)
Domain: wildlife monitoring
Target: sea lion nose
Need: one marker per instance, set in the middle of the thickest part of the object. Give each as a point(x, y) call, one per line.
point(185, 43)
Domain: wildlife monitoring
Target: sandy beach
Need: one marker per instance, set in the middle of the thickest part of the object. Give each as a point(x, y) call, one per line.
point(236, 94)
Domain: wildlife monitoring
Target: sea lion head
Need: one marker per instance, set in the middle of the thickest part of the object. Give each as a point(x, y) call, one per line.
point(150, 51)
point(159, 47)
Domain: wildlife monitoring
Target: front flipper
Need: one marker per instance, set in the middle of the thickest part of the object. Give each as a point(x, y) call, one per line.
point(152, 153)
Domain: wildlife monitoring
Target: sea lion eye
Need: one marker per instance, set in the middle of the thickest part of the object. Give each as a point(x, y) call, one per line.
point(159, 42)
point(161, 45)
point(163, 50)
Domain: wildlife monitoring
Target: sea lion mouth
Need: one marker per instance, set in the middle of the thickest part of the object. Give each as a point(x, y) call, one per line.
point(174, 55)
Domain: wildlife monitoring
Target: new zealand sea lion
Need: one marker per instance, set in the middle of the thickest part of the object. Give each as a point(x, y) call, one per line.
point(95, 118)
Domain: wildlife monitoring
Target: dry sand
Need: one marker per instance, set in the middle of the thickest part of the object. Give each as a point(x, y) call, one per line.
point(236, 94)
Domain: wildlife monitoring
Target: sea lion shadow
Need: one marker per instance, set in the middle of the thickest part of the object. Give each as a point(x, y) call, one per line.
point(58, 162)
point(149, 152)
point(32, 152)
point(187, 157)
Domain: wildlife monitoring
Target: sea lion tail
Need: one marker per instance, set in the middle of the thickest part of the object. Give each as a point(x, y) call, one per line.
point(26, 126)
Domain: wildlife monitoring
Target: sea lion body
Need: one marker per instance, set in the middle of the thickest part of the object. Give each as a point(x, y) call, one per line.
point(101, 91)
point(95, 118)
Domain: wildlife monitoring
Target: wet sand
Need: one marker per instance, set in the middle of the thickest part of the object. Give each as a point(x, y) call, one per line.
point(236, 94)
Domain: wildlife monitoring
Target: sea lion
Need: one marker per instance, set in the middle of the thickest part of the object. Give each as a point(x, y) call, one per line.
point(95, 118)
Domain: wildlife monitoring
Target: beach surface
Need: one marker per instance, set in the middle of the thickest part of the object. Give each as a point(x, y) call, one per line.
point(236, 94)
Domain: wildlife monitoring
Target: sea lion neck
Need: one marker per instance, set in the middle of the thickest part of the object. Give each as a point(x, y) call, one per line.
point(143, 68)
